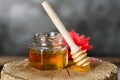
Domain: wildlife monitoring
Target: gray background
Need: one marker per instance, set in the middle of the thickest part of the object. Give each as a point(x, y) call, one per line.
point(98, 19)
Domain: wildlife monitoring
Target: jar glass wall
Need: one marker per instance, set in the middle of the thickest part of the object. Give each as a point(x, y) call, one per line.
point(48, 51)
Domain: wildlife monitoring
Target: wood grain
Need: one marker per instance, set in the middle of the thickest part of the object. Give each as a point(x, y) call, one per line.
point(20, 70)
point(6, 59)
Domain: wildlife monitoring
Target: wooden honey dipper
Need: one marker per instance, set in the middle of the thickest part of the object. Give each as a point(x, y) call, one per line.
point(79, 56)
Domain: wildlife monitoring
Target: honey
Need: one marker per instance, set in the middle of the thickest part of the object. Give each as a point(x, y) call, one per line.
point(48, 52)
point(80, 68)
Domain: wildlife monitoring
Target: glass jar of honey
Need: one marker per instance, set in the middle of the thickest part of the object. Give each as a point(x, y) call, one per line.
point(48, 52)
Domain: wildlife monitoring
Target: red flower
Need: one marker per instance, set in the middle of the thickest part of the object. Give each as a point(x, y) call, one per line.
point(80, 40)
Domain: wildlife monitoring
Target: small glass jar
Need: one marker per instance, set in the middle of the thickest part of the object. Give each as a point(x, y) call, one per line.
point(48, 52)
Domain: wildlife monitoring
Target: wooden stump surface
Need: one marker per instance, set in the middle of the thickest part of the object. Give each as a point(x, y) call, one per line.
point(20, 70)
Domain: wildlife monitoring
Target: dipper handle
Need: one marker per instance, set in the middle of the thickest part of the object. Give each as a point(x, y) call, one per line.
point(58, 23)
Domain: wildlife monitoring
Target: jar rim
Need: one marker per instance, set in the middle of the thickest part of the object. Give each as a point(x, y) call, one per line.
point(48, 39)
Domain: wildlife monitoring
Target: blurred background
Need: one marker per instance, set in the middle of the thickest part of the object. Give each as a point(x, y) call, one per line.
point(97, 19)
